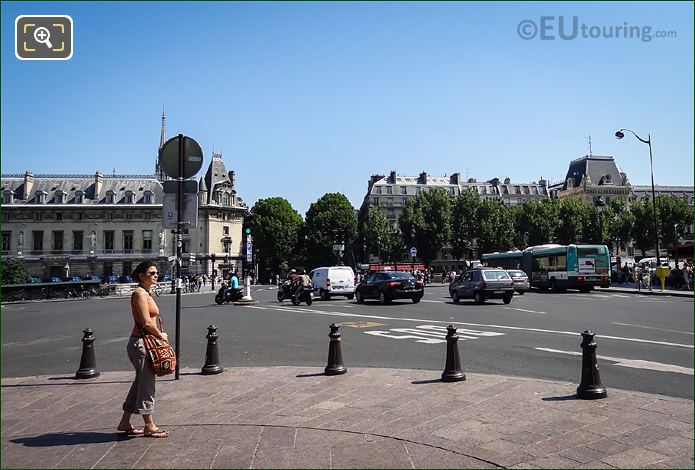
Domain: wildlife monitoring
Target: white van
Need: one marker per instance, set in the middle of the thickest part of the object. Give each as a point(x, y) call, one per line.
point(332, 281)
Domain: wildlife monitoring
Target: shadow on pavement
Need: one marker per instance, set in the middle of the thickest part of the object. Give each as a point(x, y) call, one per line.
point(563, 398)
point(318, 374)
point(423, 382)
point(70, 439)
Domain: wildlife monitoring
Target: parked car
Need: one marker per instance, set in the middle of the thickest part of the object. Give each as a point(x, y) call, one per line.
point(389, 285)
point(520, 280)
point(333, 281)
point(112, 279)
point(481, 284)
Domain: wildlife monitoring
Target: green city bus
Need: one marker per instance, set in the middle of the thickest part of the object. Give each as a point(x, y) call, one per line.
point(558, 267)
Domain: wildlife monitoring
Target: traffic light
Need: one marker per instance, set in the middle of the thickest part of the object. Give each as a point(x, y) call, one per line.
point(212, 257)
point(248, 225)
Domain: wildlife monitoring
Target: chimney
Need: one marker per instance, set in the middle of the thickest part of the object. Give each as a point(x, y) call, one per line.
point(456, 178)
point(495, 181)
point(28, 185)
point(232, 178)
point(98, 185)
point(543, 182)
point(423, 177)
point(392, 177)
point(507, 180)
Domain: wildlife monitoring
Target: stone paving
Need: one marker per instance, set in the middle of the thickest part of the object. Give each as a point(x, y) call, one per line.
point(295, 417)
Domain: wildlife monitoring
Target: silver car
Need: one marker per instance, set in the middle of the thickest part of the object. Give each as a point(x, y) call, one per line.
point(482, 284)
point(520, 280)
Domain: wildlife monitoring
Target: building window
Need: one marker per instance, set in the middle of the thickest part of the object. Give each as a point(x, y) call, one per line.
point(452, 190)
point(377, 190)
point(59, 197)
point(110, 197)
point(127, 241)
point(389, 201)
point(146, 241)
point(225, 199)
point(108, 240)
point(129, 197)
point(147, 198)
point(5, 216)
point(404, 190)
point(78, 215)
point(57, 240)
point(148, 216)
point(128, 216)
point(127, 268)
point(389, 189)
point(525, 189)
point(108, 269)
point(6, 241)
point(37, 240)
point(38, 216)
point(40, 197)
point(7, 197)
point(59, 216)
point(108, 216)
point(79, 197)
point(225, 230)
point(534, 189)
point(418, 190)
point(77, 236)
point(483, 190)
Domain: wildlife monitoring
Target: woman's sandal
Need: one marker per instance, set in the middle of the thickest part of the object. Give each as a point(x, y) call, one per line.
point(157, 433)
point(131, 431)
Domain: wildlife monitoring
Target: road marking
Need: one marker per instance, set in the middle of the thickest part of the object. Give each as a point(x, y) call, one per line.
point(478, 325)
point(621, 296)
point(434, 301)
point(361, 324)
point(522, 310)
point(635, 363)
point(430, 334)
point(653, 328)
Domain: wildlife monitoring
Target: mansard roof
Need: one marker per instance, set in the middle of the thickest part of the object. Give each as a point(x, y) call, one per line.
point(599, 169)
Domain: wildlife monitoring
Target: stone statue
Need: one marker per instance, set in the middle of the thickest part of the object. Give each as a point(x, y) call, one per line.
point(20, 241)
point(93, 240)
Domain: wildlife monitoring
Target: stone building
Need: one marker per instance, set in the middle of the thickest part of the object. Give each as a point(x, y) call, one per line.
point(79, 225)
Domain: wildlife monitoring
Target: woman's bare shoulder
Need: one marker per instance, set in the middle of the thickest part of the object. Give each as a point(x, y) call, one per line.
point(139, 293)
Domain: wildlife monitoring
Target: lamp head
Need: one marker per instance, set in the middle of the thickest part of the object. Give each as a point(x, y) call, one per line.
point(619, 135)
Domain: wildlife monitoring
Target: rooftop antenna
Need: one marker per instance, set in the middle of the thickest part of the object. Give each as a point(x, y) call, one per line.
point(468, 173)
point(590, 145)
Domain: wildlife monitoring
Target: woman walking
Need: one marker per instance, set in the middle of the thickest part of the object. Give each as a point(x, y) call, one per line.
point(140, 399)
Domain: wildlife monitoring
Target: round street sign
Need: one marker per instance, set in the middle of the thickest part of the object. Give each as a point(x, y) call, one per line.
point(192, 157)
point(413, 251)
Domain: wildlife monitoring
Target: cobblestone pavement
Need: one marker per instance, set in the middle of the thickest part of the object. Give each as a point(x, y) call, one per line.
point(295, 417)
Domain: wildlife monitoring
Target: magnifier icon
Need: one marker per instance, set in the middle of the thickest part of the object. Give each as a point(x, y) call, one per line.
point(43, 35)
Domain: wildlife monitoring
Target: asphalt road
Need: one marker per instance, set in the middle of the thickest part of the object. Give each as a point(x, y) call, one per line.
point(645, 343)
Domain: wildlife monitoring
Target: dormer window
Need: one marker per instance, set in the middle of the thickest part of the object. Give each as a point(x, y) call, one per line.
point(129, 197)
point(41, 197)
point(605, 179)
point(110, 197)
point(148, 198)
point(7, 197)
point(60, 197)
point(79, 197)
point(225, 199)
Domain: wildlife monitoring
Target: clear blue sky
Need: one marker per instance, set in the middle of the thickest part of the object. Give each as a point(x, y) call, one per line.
point(309, 98)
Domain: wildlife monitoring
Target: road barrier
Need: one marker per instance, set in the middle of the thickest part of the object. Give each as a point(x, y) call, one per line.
point(88, 362)
point(212, 365)
point(590, 387)
point(335, 355)
point(452, 370)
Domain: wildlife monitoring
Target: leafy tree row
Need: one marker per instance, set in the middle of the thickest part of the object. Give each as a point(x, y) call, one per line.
point(435, 219)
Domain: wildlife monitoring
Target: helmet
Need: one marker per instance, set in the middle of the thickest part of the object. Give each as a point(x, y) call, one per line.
point(293, 271)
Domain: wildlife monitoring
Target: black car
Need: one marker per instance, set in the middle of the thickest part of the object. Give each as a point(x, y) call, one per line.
point(389, 285)
point(483, 283)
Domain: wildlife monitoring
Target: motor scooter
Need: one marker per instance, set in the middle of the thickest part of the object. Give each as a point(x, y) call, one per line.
point(226, 294)
point(286, 290)
point(306, 294)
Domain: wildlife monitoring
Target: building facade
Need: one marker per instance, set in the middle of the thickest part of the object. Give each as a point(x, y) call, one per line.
point(79, 225)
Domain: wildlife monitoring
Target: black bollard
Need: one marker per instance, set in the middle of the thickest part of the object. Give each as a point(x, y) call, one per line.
point(212, 365)
point(452, 371)
point(335, 356)
point(590, 387)
point(88, 362)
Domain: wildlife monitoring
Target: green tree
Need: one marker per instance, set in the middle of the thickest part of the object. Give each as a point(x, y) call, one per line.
point(672, 211)
point(464, 222)
point(571, 216)
point(429, 213)
point(495, 226)
point(643, 229)
point(619, 221)
point(275, 233)
point(379, 237)
point(13, 271)
point(331, 212)
point(537, 222)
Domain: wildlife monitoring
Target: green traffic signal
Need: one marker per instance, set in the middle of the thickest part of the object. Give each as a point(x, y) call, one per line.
point(247, 230)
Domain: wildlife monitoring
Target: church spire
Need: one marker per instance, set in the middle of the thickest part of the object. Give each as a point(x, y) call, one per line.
point(158, 170)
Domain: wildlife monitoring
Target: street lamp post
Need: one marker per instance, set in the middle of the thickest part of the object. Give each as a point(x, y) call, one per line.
point(675, 241)
point(378, 252)
point(619, 135)
point(412, 238)
point(599, 203)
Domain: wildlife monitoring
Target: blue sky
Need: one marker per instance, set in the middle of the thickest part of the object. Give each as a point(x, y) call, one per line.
point(309, 98)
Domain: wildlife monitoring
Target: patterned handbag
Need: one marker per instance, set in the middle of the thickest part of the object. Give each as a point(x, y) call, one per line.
point(160, 354)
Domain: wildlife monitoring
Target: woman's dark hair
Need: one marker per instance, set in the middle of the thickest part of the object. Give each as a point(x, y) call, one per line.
point(142, 269)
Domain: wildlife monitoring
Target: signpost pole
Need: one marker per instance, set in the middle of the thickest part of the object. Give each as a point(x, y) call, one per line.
point(179, 243)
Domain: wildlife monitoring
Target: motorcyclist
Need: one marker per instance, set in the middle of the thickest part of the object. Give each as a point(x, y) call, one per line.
point(302, 281)
point(233, 287)
point(292, 276)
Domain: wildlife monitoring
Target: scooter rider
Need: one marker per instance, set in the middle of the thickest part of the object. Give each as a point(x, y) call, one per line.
point(233, 287)
point(302, 282)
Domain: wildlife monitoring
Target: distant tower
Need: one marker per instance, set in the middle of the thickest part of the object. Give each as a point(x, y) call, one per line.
point(158, 170)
